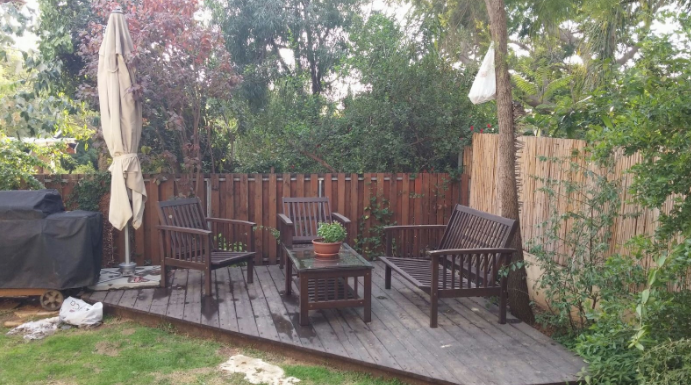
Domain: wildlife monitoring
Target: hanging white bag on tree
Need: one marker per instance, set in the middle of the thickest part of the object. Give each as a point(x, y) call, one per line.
point(79, 313)
point(485, 85)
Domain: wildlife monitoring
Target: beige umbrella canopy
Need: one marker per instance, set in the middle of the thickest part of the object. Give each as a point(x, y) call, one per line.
point(121, 119)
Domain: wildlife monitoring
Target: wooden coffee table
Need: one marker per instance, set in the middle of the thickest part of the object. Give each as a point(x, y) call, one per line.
point(328, 283)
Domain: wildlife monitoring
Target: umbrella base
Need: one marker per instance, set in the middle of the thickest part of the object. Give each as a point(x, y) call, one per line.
point(127, 269)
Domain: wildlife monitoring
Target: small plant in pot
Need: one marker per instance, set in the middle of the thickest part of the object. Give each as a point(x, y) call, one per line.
point(331, 236)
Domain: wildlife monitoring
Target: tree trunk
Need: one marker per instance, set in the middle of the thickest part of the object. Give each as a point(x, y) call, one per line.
point(507, 192)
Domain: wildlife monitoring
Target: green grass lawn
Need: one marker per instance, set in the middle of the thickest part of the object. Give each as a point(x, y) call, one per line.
point(121, 352)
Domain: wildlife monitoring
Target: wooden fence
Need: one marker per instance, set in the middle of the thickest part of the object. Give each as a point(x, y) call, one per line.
point(535, 204)
point(410, 199)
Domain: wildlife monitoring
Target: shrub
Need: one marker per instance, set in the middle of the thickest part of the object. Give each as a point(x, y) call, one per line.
point(332, 232)
point(666, 364)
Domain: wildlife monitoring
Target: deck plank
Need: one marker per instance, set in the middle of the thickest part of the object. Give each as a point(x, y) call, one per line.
point(209, 304)
point(411, 333)
point(176, 304)
point(265, 324)
point(448, 350)
point(227, 318)
point(193, 297)
point(113, 297)
point(243, 306)
point(159, 302)
point(144, 299)
point(97, 296)
point(281, 318)
point(129, 297)
point(483, 348)
point(311, 336)
point(352, 345)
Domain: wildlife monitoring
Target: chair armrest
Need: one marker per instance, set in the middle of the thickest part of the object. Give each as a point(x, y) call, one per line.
point(471, 251)
point(231, 221)
point(185, 230)
point(341, 218)
point(285, 228)
point(413, 227)
point(285, 220)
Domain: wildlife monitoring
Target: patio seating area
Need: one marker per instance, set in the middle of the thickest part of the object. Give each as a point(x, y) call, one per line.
point(468, 347)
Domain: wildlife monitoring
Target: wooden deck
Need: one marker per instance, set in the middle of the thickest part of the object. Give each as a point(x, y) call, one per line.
point(469, 347)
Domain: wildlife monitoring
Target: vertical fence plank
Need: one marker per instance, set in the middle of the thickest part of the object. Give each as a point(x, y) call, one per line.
point(272, 193)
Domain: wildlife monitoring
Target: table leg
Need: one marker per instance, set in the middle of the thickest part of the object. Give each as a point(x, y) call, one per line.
point(304, 298)
point(289, 277)
point(368, 296)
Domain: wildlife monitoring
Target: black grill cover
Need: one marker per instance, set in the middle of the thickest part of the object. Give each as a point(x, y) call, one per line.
point(54, 251)
point(29, 204)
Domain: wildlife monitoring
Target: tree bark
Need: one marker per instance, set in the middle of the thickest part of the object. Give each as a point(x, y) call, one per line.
point(507, 192)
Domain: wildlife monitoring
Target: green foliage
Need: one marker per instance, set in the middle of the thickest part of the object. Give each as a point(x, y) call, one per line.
point(332, 232)
point(580, 277)
point(18, 164)
point(379, 215)
point(604, 347)
point(226, 245)
point(89, 192)
point(646, 112)
point(666, 364)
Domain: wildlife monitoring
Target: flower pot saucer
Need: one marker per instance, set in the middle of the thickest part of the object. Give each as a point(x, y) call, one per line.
point(326, 256)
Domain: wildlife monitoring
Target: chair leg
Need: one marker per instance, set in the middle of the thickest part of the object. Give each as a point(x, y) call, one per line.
point(207, 282)
point(387, 277)
point(503, 298)
point(164, 276)
point(250, 271)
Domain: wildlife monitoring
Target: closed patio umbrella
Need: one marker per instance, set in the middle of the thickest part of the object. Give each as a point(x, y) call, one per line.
point(121, 120)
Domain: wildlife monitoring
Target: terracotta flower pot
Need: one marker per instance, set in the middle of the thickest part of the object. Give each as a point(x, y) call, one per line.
point(326, 250)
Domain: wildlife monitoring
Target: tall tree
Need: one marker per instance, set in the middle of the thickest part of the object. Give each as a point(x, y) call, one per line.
point(181, 64)
point(507, 193)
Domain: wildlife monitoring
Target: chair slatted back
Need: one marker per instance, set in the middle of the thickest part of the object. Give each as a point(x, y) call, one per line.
point(186, 213)
point(306, 214)
point(473, 229)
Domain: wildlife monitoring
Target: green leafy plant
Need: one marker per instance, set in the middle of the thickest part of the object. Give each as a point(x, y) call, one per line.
point(379, 214)
point(226, 245)
point(579, 272)
point(17, 165)
point(88, 192)
point(332, 232)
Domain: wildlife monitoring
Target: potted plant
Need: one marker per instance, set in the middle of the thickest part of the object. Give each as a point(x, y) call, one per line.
point(331, 236)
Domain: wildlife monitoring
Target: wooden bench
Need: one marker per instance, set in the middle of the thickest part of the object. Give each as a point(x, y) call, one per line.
point(190, 240)
point(300, 218)
point(467, 262)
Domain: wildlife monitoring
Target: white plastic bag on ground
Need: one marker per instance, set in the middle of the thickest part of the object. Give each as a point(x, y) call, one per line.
point(36, 330)
point(79, 313)
point(485, 85)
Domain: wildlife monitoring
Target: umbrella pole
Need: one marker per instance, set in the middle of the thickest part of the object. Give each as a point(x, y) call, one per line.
point(127, 268)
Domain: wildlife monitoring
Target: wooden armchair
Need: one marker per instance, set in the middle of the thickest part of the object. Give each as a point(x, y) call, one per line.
point(300, 218)
point(190, 240)
point(472, 250)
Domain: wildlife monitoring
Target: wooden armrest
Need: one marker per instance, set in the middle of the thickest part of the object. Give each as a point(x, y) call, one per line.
point(233, 221)
point(340, 218)
point(471, 251)
point(413, 227)
point(285, 220)
point(186, 230)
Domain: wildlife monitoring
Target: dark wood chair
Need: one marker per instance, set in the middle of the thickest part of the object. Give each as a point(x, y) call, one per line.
point(300, 218)
point(190, 240)
point(467, 262)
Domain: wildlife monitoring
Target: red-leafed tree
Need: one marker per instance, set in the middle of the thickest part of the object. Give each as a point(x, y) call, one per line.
point(181, 66)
